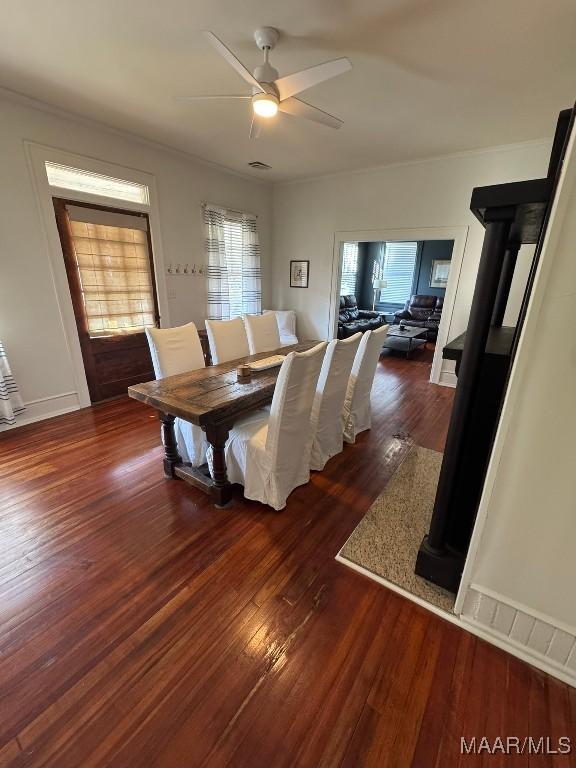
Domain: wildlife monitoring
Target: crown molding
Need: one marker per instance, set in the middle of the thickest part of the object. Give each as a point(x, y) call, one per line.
point(44, 106)
point(545, 143)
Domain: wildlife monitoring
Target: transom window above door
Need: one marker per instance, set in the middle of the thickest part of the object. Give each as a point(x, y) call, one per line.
point(79, 180)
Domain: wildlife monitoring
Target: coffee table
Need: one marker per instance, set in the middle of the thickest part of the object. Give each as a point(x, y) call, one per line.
point(405, 340)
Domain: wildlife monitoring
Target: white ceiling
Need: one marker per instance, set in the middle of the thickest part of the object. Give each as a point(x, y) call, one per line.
point(429, 76)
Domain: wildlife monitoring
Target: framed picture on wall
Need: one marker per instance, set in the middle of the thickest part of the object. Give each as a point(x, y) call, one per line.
point(439, 274)
point(299, 271)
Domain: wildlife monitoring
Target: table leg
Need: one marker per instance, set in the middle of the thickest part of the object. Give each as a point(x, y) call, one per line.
point(171, 455)
point(217, 434)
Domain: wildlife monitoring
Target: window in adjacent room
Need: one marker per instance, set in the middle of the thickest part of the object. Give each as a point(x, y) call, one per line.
point(349, 269)
point(397, 263)
point(233, 255)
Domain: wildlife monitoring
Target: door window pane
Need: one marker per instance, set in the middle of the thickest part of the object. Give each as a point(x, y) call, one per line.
point(116, 282)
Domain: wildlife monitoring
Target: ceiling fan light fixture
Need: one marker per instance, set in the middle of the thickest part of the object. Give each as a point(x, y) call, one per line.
point(265, 104)
point(271, 93)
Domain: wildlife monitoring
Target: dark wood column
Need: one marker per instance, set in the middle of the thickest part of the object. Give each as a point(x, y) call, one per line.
point(436, 559)
point(508, 267)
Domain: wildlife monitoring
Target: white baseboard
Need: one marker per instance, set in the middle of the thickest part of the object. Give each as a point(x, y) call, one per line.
point(540, 640)
point(46, 407)
point(448, 379)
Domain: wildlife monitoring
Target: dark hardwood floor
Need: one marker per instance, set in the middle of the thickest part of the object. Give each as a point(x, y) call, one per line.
point(140, 626)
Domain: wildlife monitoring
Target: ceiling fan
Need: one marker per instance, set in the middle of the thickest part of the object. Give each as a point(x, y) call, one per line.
point(272, 93)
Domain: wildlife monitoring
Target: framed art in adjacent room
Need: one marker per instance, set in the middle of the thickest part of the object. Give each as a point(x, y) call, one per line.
point(439, 274)
point(299, 271)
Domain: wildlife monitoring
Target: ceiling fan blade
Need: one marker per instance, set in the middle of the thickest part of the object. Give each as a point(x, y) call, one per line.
point(255, 127)
point(300, 108)
point(215, 96)
point(232, 60)
point(306, 78)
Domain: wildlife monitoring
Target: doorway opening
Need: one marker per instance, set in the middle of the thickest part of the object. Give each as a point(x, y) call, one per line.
point(406, 281)
point(398, 283)
point(110, 270)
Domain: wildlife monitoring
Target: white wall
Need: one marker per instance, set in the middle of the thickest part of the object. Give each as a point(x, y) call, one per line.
point(30, 323)
point(434, 193)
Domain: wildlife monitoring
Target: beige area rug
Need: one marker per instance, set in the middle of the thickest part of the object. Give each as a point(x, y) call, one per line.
point(386, 540)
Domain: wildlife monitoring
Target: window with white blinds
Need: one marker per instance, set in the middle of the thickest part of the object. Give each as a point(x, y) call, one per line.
point(349, 269)
point(233, 246)
point(113, 261)
point(397, 264)
point(233, 263)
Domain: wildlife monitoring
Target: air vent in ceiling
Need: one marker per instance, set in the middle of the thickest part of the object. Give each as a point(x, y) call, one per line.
point(259, 166)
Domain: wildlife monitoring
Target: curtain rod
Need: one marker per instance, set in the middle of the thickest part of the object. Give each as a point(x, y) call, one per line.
point(204, 203)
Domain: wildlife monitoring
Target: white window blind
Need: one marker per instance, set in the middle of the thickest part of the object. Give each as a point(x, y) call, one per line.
point(349, 269)
point(112, 257)
point(233, 245)
point(398, 261)
point(64, 177)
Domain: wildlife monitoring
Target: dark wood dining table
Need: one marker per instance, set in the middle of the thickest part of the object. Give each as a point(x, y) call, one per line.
point(213, 399)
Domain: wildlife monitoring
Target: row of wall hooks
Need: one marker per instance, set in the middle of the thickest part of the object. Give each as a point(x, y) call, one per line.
point(186, 269)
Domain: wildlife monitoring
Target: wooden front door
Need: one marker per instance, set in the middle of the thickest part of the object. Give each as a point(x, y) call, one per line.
point(109, 265)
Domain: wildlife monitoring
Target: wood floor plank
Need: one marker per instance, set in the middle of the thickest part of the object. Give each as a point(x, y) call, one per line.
point(562, 722)
point(296, 688)
point(442, 705)
point(447, 715)
point(140, 626)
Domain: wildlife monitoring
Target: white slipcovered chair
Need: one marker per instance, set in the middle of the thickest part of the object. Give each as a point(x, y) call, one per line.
point(357, 410)
point(173, 351)
point(286, 319)
point(269, 452)
point(262, 332)
point(227, 340)
point(329, 400)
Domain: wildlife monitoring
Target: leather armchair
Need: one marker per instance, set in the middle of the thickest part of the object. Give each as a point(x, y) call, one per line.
point(422, 311)
point(351, 319)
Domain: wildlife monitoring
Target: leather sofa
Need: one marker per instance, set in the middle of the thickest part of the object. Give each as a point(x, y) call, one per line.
point(422, 311)
point(351, 319)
